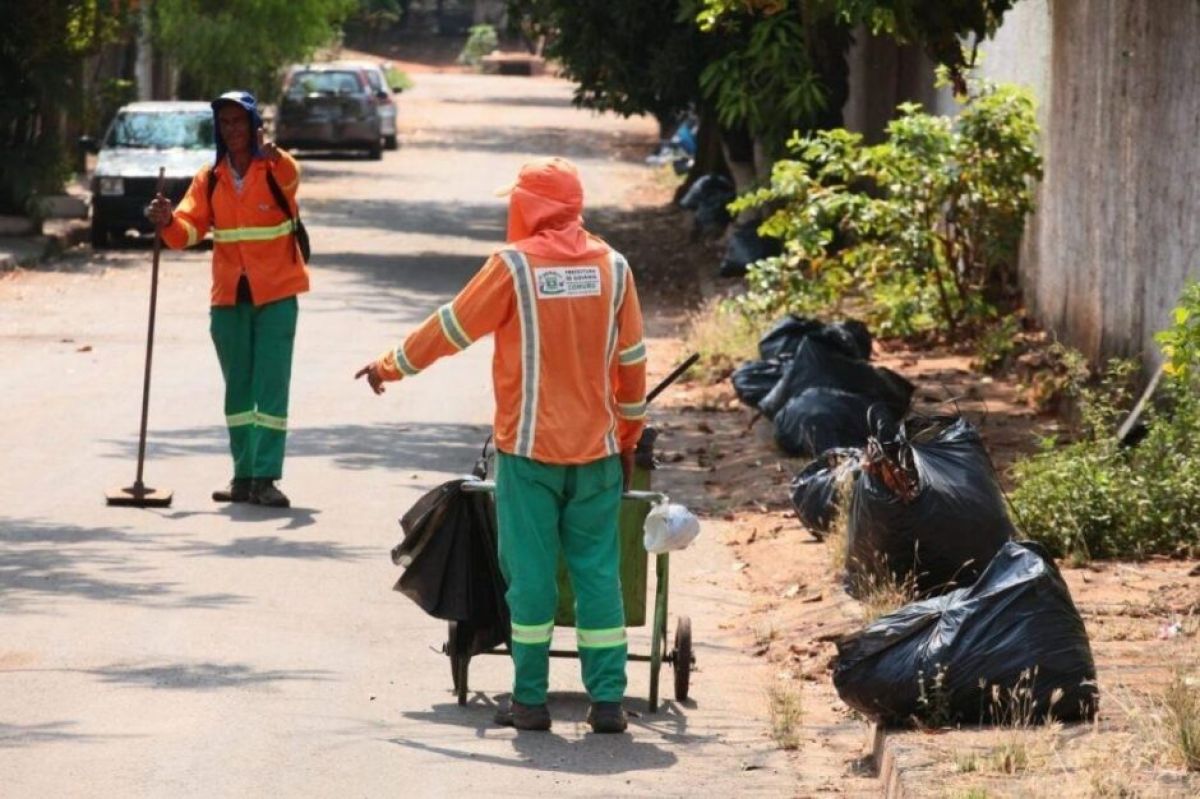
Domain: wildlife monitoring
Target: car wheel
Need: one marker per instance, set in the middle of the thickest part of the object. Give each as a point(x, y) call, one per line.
point(390, 143)
point(375, 151)
point(100, 235)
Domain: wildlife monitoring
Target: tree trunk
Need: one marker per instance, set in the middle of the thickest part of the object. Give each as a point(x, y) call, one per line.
point(710, 158)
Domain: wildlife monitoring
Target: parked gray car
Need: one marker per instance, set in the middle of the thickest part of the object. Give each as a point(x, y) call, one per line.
point(143, 137)
point(329, 108)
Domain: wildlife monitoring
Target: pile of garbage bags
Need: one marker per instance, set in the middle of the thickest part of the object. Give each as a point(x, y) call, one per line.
point(1009, 649)
point(814, 381)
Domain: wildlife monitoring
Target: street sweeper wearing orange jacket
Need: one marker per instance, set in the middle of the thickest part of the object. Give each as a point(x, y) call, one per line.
point(569, 365)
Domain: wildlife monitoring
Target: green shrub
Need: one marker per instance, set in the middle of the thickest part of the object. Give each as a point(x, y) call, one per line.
point(1094, 498)
point(481, 40)
point(923, 227)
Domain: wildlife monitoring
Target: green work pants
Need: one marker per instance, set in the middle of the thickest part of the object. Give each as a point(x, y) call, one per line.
point(254, 346)
point(543, 509)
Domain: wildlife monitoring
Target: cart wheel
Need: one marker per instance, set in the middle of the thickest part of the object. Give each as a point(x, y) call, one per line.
point(684, 659)
point(460, 662)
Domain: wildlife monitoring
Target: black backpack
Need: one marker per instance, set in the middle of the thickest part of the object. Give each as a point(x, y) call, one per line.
point(298, 229)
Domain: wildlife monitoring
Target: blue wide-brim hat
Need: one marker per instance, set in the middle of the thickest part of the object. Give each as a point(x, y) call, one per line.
point(245, 100)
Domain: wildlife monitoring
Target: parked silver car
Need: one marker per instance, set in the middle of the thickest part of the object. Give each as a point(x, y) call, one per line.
point(142, 137)
point(326, 107)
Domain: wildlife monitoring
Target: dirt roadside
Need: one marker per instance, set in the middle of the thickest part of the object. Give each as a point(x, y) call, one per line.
point(1143, 618)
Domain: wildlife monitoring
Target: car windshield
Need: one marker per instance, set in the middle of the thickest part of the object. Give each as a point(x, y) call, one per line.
point(324, 82)
point(161, 131)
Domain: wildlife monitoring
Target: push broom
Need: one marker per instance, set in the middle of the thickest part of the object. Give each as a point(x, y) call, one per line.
point(140, 495)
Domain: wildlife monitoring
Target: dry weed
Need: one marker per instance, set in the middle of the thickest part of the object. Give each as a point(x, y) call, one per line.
point(724, 337)
point(786, 712)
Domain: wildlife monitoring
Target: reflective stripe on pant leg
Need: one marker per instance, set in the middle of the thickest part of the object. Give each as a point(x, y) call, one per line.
point(229, 327)
point(527, 499)
point(274, 334)
point(591, 545)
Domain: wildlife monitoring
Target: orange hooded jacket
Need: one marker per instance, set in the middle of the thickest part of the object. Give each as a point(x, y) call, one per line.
point(251, 234)
point(569, 369)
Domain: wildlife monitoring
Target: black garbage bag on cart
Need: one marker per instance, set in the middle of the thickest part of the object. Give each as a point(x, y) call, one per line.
point(815, 488)
point(451, 565)
point(754, 380)
point(816, 365)
point(822, 418)
point(1012, 647)
point(850, 337)
point(948, 533)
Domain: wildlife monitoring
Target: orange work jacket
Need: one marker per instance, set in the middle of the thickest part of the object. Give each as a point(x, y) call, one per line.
point(251, 234)
point(569, 369)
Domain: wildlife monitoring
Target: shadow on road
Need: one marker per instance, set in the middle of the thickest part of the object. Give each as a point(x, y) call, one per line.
point(566, 142)
point(274, 547)
point(446, 447)
point(41, 560)
point(200, 676)
point(589, 754)
point(15, 735)
point(478, 221)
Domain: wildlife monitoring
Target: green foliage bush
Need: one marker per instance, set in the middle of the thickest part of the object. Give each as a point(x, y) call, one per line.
point(481, 41)
point(1093, 498)
point(922, 228)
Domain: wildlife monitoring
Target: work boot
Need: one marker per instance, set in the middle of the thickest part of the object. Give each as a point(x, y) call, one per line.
point(607, 717)
point(263, 492)
point(238, 490)
point(524, 717)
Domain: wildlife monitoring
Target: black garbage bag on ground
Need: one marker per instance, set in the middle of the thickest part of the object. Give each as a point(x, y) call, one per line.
point(817, 365)
point(754, 380)
point(745, 247)
point(451, 566)
point(822, 418)
point(815, 488)
point(945, 535)
point(850, 337)
point(1011, 648)
point(708, 198)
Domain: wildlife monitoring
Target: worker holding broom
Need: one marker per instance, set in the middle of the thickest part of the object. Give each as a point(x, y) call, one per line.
point(569, 381)
point(248, 199)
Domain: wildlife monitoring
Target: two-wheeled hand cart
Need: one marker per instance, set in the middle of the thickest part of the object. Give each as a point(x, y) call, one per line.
point(634, 574)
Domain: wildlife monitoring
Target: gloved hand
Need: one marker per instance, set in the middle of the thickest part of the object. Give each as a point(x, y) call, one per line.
point(627, 463)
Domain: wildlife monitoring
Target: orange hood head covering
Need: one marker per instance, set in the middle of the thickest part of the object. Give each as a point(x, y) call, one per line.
point(544, 207)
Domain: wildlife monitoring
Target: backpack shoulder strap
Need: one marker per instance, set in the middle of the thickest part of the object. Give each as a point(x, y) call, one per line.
point(277, 193)
point(212, 186)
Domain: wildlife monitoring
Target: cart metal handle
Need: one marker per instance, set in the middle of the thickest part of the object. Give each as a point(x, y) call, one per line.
point(489, 487)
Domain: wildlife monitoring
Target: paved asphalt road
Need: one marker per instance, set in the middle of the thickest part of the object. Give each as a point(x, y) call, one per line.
point(234, 651)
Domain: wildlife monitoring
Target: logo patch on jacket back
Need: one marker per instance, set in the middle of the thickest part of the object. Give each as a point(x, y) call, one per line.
point(555, 282)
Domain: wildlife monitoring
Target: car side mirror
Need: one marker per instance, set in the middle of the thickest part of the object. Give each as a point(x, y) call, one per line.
point(88, 145)
point(381, 94)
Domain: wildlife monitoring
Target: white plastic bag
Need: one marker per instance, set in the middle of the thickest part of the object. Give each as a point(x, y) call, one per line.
point(669, 527)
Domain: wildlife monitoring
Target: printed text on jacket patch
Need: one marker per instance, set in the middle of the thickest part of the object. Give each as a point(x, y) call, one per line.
point(556, 282)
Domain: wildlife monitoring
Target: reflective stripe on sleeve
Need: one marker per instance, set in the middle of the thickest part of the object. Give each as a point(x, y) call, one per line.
point(635, 354)
point(451, 328)
point(632, 410)
point(240, 419)
point(192, 235)
point(532, 634)
point(235, 234)
point(518, 267)
point(600, 639)
point(403, 363)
